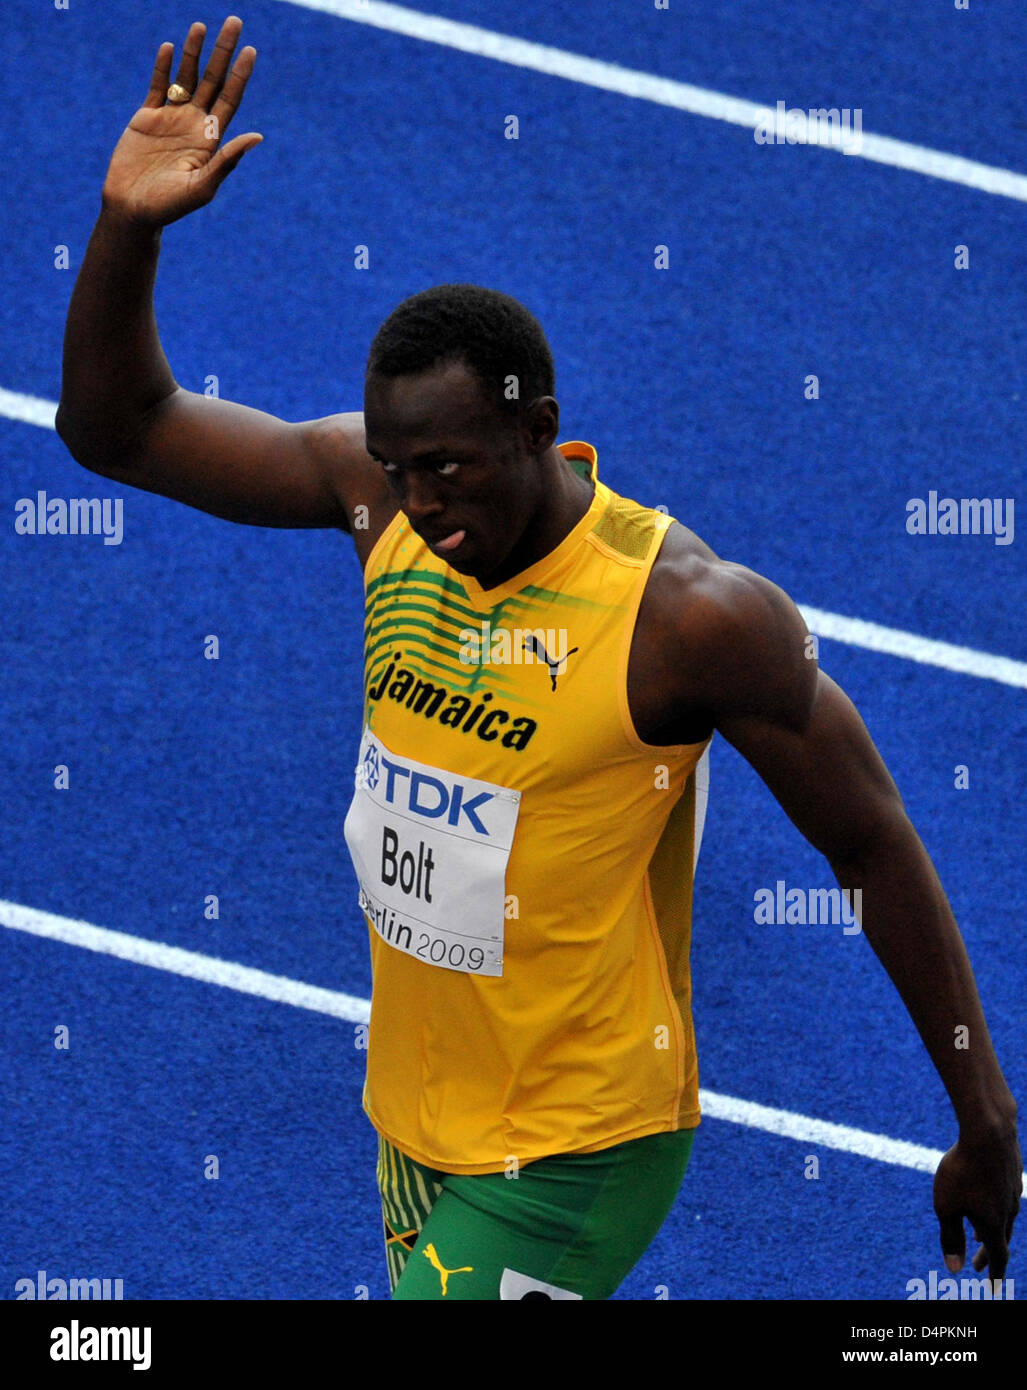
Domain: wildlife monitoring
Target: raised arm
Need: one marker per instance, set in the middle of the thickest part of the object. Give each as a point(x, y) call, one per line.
point(758, 684)
point(121, 413)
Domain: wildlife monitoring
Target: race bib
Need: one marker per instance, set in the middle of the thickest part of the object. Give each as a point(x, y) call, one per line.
point(430, 851)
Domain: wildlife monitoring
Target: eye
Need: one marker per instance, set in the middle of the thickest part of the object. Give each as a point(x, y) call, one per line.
point(446, 470)
point(387, 467)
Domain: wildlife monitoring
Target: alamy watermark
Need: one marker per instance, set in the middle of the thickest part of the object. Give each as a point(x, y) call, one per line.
point(961, 516)
point(947, 1287)
point(56, 1289)
point(518, 646)
point(502, 646)
point(74, 516)
point(784, 906)
point(820, 125)
point(78, 1343)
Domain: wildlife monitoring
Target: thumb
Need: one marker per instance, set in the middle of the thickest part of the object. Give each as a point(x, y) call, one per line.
point(953, 1242)
point(228, 156)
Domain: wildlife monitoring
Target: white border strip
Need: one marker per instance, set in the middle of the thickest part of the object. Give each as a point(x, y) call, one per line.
point(664, 91)
point(282, 990)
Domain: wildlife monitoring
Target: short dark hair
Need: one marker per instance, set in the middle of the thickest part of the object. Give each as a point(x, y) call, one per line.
point(490, 332)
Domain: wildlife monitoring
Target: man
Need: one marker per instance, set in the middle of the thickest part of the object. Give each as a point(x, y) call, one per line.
point(545, 664)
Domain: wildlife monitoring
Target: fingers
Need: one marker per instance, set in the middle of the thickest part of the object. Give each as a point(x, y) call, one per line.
point(189, 64)
point(207, 91)
point(231, 94)
point(161, 76)
point(215, 94)
point(953, 1242)
point(994, 1252)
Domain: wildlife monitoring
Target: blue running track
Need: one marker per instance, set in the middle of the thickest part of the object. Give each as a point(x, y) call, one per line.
point(191, 777)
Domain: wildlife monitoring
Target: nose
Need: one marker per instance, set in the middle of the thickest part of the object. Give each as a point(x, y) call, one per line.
point(420, 499)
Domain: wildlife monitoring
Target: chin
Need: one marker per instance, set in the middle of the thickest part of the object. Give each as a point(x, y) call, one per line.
point(480, 561)
point(469, 567)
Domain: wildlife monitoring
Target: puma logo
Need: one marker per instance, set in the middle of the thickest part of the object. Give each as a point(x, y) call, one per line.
point(431, 1255)
point(532, 644)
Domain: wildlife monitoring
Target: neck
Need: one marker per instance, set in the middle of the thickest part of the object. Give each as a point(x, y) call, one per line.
point(566, 497)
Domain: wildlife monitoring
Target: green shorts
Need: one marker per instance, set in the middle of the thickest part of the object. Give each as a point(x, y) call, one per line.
point(570, 1226)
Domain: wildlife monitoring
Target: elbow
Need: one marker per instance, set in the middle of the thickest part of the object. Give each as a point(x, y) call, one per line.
point(82, 443)
point(62, 424)
point(71, 434)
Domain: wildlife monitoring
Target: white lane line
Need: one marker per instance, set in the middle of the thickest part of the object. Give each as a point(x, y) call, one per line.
point(664, 91)
point(30, 410)
point(894, 642)
point(194, 966)
point(282, 990)
point(790, 1125)
point(33, 410)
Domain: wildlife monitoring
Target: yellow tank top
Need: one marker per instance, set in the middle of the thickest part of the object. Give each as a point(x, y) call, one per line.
point(526, 867)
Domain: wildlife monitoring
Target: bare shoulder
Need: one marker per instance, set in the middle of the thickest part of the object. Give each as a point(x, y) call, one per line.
point(337, 444)
point(338, 437)
point(712, 600)
point(717, 638)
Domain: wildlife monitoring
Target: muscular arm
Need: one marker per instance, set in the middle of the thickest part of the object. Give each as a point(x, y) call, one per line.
point(121, 412)
point(757, 685)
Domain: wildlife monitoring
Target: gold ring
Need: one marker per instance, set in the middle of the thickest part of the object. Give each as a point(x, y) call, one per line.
point(177, 95)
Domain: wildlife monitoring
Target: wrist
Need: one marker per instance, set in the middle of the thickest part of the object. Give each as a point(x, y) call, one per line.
point(988, 1120)
point(117, 219)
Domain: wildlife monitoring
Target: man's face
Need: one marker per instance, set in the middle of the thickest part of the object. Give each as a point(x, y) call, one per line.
point(466, 476)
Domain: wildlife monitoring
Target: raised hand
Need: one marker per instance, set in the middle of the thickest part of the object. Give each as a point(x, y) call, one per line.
point(170, 160)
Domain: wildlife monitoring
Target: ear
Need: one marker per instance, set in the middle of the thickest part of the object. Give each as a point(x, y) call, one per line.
point(541, 423)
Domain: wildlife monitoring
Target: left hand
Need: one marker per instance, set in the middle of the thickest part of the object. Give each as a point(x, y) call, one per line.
point(979, 1178)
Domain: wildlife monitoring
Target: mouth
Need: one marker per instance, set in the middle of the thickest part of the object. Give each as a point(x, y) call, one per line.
point(445, 545)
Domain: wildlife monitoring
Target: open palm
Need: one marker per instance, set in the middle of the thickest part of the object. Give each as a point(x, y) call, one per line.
point(170, 159)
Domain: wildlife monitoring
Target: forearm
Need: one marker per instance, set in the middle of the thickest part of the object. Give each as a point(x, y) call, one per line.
point(908, 922)
point(114, 368)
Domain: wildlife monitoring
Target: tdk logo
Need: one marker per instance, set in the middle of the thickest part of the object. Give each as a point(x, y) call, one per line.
point(427, 796)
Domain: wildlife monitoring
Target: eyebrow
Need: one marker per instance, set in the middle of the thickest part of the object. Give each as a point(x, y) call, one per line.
point(426, 457)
